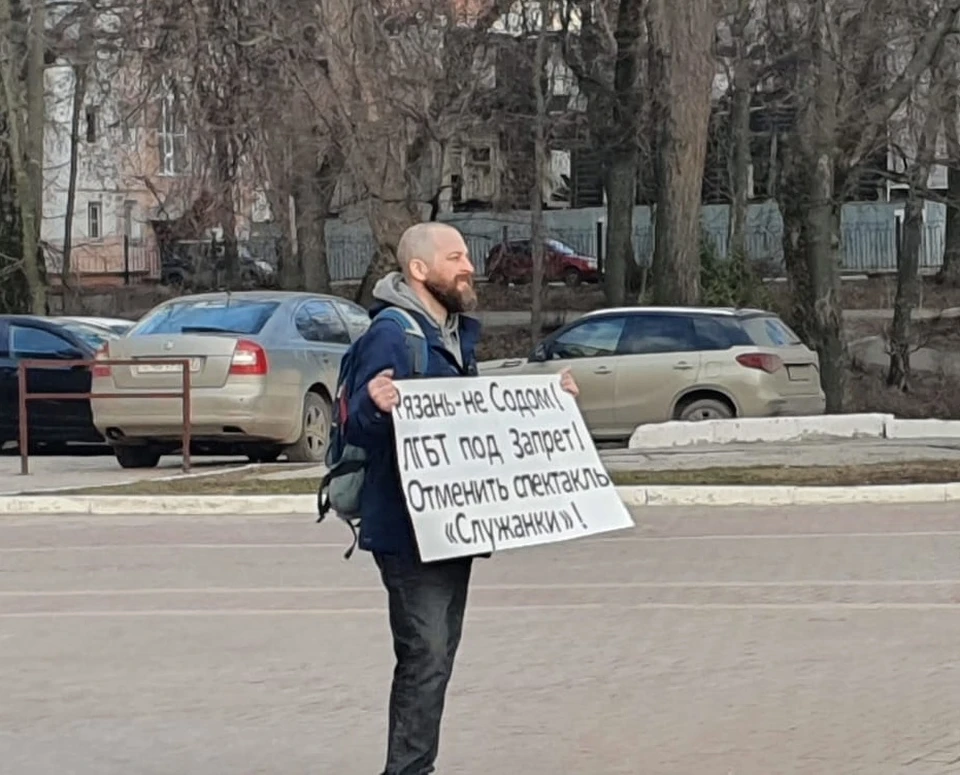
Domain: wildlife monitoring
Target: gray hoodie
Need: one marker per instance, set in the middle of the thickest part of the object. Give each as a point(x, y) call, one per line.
point(393, 290)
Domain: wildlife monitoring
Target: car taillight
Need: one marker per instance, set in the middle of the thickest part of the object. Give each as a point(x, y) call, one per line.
point(99, 369)
point(762, 361)
point(248, 358)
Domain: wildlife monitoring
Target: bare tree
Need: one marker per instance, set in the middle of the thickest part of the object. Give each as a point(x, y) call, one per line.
point(925, 111)
point(741, 90)
point(22, 38)
point(399, 87)
point(842, 97)
point(81, 57)
point(211, 66)
point(605, 44)
point(683, 67)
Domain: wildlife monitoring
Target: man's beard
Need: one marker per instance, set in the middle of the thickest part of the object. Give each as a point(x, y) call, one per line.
point(452, 300)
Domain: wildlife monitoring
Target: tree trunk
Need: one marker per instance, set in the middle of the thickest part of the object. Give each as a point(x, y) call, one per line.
point(392, 212)
point(818, 137)
point(950, 271)
point(822, 248)
point(620, 265)
point(908, 292)
point(740, 156)
point(79, 95)
point(225, 167)
point(773, 166)
point(793, 212)
point(908, 251)
point(388, 221)
point(25, 124)
point(539, 168)
point(313, 196)
point(682, 66)
point(14, 291)
point(621, 201)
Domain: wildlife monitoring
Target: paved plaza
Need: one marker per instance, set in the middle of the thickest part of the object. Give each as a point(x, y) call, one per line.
point(704, 642)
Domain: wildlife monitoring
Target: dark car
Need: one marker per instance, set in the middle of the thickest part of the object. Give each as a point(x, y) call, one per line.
point(512, 262)
point(49, 422)
point(201, 265)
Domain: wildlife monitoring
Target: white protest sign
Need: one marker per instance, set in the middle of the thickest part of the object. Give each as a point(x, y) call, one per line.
point(492, 463)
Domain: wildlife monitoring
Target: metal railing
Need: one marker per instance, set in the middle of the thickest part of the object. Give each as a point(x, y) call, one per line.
point(24, 396)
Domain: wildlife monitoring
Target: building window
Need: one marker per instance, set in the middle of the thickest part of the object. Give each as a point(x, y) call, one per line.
point(94, 220)
point(93, 113)
point(173, 135)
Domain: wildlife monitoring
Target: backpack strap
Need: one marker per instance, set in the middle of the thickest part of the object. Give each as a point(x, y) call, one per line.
point(418, 347)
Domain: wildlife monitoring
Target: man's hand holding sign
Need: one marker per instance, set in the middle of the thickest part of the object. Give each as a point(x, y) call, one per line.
point(496, 463)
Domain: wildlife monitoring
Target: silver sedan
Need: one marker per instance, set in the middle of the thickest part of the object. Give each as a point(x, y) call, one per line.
point(263, 369)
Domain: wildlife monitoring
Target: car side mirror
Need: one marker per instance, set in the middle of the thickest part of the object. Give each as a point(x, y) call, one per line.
point(540, 354)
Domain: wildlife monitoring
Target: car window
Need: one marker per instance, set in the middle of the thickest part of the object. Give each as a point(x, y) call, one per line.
point(718, 333)
point(36, 343)
point(559, 247)
point(94, 336)
point(590, 339)
point(356, 317)
point(649, 334)
point(318, 321)
point(232, 316)
point(770, 331)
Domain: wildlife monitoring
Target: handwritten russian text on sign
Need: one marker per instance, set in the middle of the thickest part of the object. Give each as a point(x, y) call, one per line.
point(497, 463)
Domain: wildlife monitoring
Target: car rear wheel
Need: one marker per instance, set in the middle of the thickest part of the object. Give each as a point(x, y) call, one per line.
point(137, 457)
point(572, 277)
point(705, 409)
point(312, 444)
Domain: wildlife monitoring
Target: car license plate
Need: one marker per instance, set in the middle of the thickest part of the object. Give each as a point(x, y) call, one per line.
point(165, 368)
point(799, 373)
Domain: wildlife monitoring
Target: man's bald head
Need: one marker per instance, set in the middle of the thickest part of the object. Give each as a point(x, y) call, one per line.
point(422, 241)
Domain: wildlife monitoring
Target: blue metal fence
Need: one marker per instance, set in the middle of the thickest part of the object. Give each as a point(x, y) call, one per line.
point(863, 247)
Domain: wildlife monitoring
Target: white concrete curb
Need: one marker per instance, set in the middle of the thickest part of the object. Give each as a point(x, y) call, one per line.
point(748, 430)
point(665, 495)
point(736, 495)
point(676, 433)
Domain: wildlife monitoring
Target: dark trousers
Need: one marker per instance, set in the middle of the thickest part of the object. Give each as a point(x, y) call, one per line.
point(427, 604)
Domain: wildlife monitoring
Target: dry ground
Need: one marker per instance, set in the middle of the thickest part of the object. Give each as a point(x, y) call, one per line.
point(919, 472)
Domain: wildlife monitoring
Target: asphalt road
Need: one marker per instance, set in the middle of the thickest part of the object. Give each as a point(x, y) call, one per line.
point(819, 641)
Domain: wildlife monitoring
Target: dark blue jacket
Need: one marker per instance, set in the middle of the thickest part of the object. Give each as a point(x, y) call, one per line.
point(384, 520)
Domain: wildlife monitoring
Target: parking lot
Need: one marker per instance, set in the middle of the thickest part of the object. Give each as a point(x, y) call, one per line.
point(704, 641)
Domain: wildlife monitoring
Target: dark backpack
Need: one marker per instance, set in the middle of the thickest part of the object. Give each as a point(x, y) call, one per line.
point(341, 487)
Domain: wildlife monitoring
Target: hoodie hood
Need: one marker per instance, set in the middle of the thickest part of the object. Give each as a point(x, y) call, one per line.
point(393, 291)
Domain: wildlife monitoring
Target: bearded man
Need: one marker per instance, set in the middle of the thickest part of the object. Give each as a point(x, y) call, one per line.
point(426, 601)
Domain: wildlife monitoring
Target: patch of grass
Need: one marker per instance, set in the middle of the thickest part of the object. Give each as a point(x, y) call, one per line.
point(930, 472)
point(925, 472)
point(240, 483)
